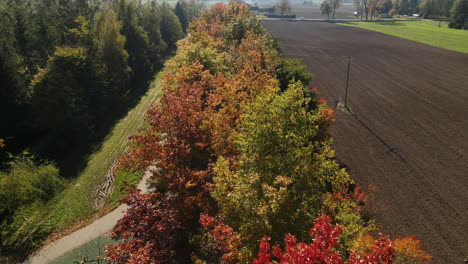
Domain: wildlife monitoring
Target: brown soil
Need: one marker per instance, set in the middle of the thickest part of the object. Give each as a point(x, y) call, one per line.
point(409, 132)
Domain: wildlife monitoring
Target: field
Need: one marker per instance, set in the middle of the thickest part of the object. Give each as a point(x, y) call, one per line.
point(407, 131)
point(425, 31)
point(75, 204)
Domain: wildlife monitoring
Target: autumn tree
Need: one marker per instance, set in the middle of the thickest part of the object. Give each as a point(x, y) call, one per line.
point(261, 195)
point(148, 241)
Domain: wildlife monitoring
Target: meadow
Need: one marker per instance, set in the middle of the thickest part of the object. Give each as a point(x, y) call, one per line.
point(424, 31)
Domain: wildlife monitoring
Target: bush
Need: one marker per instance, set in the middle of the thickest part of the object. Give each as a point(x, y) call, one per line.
point(27, 181)
point(292, 70)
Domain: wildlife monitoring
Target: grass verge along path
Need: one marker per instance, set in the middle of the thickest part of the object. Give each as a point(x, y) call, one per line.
point(424, 31)
point(73, 207)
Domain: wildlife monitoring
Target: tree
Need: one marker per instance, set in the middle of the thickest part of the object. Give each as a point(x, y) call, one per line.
point(151, 22)
point(335, 4)
point(171, 29)
point(458, 14)
point(136, 43)
point(181, 11)
point(372, 6)
point(284, 7)
point(437, 9)
point(292, 70)
point(325, 8)
point(414, 6)
point(62, 93)
point(386, 6)
point(146, 231)
point(265, 192)
point(110, 47)
point(404, 8)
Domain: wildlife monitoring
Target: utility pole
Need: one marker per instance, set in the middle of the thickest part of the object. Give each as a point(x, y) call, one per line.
point(347, 83)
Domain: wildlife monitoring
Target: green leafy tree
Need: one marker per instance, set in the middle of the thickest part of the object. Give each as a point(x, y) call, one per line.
point(181, 11)
point(458, 14)
point(110, 47)
point(171, 29)
point(137, 42)
point(65, 93)
point(325, 8)
point(291, 70)
point(151, 22)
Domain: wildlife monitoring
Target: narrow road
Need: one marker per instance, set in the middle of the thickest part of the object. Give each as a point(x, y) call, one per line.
point(82, 236)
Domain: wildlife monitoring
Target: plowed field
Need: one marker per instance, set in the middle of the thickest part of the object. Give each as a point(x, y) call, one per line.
point(409, 132)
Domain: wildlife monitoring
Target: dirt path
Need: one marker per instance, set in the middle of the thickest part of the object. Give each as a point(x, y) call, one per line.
point(80, 237)
point(409, 133)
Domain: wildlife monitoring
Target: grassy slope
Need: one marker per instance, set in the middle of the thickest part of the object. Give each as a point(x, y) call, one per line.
point(423, 31)
point(74, 203)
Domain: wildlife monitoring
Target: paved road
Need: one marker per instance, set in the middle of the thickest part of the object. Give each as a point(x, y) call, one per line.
point(409, 134)
point(82, 236)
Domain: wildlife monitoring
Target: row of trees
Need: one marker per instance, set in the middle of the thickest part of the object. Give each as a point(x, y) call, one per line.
point(454, 10)
point(372, 8)
point(70, 68)
point(242, 147)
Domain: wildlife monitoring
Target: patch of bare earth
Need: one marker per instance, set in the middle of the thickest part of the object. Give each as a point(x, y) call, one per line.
point(408, 135)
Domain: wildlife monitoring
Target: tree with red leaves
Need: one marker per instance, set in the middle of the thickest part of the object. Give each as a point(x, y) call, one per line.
point(146, 231)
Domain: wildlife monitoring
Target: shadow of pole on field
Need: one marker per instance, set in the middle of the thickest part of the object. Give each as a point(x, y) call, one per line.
point(348, 110)
point(390, 149)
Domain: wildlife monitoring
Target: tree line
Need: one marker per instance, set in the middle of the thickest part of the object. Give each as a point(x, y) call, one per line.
point(456, 11)
point(243, 153)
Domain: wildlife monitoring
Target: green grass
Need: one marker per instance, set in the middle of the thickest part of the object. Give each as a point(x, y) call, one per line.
point(74, 203)
point(91, 252)
point(424, 31)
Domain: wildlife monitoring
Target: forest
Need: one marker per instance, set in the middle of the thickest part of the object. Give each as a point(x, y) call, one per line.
point(69, 70)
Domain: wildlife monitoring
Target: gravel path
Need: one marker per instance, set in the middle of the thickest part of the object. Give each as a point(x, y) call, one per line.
point(82, 236)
